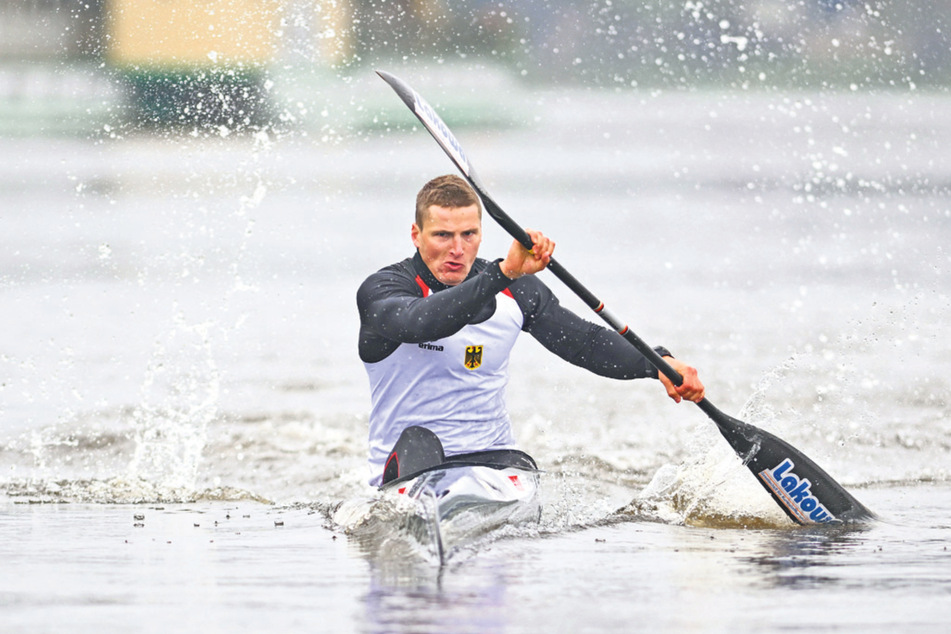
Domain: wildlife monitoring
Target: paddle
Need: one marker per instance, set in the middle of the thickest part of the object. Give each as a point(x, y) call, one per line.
point(803, 490)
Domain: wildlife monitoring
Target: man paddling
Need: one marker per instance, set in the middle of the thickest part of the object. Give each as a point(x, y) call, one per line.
point(436, 331)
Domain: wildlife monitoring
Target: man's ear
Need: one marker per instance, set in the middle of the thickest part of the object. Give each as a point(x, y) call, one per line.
point(414, 233)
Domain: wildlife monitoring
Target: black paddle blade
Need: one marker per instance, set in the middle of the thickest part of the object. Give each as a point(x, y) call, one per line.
point(802, 488)
point(431, 121)
point(436, 127)
point(416, 449)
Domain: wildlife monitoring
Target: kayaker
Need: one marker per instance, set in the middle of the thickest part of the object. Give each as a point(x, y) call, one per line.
point(436, 331)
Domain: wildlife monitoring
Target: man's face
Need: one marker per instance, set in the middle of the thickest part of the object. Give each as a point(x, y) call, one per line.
point(449, 241)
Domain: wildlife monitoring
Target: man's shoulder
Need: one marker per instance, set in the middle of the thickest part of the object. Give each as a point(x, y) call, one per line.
point(397, 270)
point(403, 267)
point(533, 297)
point(397, 278)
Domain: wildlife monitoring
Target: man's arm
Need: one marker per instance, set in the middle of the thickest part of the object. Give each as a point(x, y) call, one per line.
point(593, 347)
point(393, 310)
point(598, 349)
point(577, 340)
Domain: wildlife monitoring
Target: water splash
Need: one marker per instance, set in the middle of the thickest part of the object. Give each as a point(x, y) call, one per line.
point(713, 489)
point(180, 398)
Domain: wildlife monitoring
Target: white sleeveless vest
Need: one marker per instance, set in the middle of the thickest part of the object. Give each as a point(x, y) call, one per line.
point(453, 386)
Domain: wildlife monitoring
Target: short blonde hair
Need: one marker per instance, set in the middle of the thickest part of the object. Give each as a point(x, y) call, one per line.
point(445, 191)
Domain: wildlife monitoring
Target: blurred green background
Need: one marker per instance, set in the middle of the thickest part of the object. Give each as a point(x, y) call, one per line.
point(75, 66)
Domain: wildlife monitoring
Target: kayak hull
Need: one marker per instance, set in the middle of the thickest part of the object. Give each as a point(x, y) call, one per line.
point(452, 505)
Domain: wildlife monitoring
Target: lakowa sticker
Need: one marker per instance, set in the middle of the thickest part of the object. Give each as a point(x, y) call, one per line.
point(793, 493)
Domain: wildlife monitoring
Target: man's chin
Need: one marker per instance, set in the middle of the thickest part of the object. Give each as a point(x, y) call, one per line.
point(451, 278)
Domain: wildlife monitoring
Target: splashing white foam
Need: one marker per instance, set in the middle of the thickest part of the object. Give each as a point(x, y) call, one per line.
point(179, 400)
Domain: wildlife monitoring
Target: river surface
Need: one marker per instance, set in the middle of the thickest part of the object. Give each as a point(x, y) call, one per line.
point(182, 409)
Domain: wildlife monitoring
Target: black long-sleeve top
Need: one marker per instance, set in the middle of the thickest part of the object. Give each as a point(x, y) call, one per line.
point(393, 310)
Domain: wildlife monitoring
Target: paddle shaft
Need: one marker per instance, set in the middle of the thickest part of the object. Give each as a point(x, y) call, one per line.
point(579, 289)
point(592, 302)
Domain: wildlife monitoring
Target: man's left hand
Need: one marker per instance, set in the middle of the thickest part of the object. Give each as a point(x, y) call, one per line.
point(691, 389)
point(520, 261)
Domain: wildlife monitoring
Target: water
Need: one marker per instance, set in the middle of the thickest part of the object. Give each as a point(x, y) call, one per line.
point(182, 409)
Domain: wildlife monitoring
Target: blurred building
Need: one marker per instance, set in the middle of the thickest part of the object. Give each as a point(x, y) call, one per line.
point(174, 62)
point(187, 62)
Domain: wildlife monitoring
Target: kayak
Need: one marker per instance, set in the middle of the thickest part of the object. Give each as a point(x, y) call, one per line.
point(449, 506)
point(439, 504)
